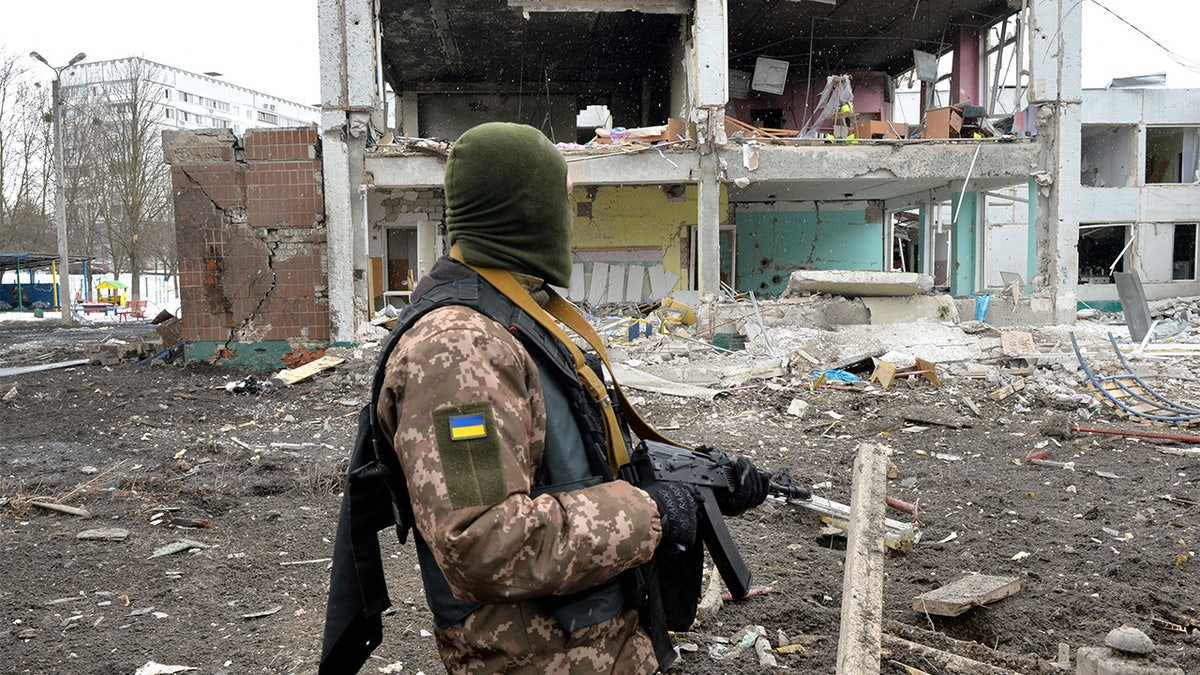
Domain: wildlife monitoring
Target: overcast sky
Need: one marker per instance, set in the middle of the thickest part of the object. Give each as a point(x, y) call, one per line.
point(265, 45)
point(271, 45)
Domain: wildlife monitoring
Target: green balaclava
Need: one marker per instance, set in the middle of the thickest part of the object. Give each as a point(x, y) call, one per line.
point(507, 203)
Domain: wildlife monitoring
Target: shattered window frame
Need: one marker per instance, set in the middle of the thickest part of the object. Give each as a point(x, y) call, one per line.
point(1168, 158)
point(1098, 251)
point(1183, 262)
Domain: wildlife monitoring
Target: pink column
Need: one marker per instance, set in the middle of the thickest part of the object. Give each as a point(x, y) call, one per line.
point(964, 76)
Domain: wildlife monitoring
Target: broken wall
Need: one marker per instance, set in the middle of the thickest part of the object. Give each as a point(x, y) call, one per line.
point(774, 239)
point(632, 243)
point(250, 231)
point(406, 228)
point(1133, 126)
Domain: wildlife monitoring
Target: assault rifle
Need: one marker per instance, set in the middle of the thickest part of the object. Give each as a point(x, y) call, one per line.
point(709, 472)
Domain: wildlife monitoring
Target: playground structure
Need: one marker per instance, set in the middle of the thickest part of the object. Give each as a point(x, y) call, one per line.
point(25, 292)
point(29, 282)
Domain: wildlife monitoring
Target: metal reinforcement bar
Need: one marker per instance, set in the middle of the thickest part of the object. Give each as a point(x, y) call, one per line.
point(1155, 407)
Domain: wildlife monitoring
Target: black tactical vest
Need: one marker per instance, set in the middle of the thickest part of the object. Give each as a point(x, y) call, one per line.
point(575, 457)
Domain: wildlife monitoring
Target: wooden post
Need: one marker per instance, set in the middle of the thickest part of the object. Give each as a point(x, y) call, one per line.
point(861, 633)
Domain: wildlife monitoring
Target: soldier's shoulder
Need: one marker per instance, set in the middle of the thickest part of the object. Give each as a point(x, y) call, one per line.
point(455, 318)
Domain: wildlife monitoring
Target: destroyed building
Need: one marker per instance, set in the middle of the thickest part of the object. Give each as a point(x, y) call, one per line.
point(710, 143)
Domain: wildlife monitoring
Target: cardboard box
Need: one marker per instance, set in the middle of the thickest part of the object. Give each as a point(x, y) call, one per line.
point(943, 122)
point(876, 129)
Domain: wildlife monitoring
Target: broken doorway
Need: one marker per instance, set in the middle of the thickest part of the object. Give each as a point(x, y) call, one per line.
point(938, 240)
point(903, 241)
point(401, 261)
point(1006, 235)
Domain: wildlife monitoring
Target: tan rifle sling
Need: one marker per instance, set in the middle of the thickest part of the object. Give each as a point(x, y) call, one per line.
point(564, 311)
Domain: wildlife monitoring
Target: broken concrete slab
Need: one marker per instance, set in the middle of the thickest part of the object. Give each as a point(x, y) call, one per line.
point(910, 308)
point(1017, 343)
point(632, 378)
point(859, 283)
point(971, 591)
point(104, 534)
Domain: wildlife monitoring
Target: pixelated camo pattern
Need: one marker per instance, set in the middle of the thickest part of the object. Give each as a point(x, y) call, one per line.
point(519, 548)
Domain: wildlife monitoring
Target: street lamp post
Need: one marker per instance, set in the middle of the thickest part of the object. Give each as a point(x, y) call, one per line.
point(60, 202)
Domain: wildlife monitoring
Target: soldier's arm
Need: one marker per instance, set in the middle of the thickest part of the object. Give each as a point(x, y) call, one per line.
point(468, 435)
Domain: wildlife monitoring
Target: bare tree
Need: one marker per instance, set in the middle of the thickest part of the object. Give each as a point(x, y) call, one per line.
point(84, 185)
point(133, 185)
point(25, 143)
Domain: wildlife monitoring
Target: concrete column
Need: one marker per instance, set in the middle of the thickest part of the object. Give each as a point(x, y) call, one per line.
point(709, 58)
point(964, 73)
point(427, 247)
point(1031, 254)
point(347, 101)
point(1055, 36)
point(408, 114)
point(708, 231)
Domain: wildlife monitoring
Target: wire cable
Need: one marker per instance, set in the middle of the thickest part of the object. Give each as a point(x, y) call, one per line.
point(1176, 57)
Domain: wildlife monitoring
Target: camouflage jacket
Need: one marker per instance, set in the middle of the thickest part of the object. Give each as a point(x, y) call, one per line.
point(464, 406)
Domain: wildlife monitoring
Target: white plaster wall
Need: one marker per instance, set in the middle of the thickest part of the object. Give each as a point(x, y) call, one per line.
point(1112, 106)
point(1154, 249)
point(1107, 205)
point(1006, 237)
point(1170, 202)
point(1147, 106)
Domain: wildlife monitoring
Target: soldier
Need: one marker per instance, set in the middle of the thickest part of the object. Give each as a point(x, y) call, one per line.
point(525, 539)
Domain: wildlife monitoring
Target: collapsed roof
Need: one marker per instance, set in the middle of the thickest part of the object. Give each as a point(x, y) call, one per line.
point(517, 42)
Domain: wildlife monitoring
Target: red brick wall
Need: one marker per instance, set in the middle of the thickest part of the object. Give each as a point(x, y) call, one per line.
point(250, 229)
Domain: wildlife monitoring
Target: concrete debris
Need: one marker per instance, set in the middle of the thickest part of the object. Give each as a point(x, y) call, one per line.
point(911, 308)
point(152, 668)
point(112, 351)
point(632, 378)
point(177, 547)
point(1128, 651)
point(858, 283)
point(959, 596)
point(104, 534)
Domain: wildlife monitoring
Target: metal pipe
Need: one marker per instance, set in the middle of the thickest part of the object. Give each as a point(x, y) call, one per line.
point(1137, 434)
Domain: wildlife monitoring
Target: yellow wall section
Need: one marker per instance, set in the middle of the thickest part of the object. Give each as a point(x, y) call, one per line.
point(639, 217)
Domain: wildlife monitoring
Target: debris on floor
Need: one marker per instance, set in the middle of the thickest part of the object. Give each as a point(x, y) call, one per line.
point(974, 590)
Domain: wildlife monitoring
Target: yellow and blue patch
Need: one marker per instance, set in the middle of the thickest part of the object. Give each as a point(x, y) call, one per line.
point(468, 446)
point(467, 427)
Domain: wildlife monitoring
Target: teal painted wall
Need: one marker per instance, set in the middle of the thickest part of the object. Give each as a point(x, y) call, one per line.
point(258, 356)
point(771, 245)
point(964, 244)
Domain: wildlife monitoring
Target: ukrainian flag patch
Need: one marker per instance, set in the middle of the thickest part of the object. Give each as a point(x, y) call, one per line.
point(468, 446)
point(467, 427)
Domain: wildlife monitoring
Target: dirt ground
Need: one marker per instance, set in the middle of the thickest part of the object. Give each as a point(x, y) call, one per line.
point(164, 452)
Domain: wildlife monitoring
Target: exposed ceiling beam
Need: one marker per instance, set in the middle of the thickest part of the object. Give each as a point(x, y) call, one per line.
point(644, 6)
